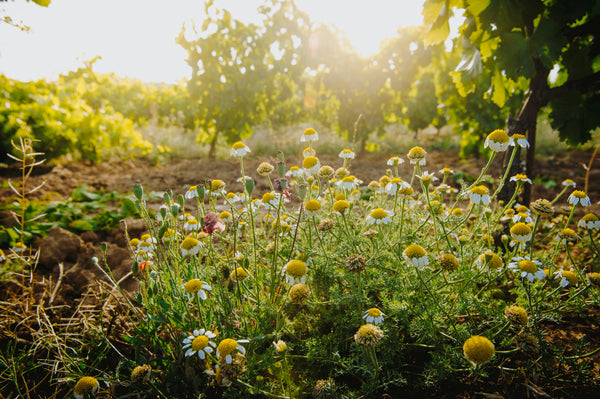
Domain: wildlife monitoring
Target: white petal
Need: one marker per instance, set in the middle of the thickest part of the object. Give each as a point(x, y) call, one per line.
point(202, 295)
point(201, 355)
point(241, 349)
point(189, 352)
point(228, 359)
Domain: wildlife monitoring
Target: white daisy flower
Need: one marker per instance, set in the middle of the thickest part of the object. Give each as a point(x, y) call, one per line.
point(199, 343)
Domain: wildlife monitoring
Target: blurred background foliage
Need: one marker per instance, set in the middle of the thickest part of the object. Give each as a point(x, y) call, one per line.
point(289, 71)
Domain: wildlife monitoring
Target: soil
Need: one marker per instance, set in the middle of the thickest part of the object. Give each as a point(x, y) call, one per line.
point(66, 278)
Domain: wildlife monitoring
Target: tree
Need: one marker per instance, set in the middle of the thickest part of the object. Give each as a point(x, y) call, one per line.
point(518, 43)
point(243, 72)
point(7, 19)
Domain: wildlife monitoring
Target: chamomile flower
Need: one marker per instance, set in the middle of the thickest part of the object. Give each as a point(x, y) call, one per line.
point(227, 347)
point(520, 140)
point(480, 195)
point(567, 235)
point(346, 154)
point(478, 350)
point(521, 232)
point(368, 335)
point(217, 187)
point(239, 149)
point(311, 165)
point(589, 222)
point(309, 135)
point(199, 343)
point(527, 268)
point(295, 272)
point(312, 206)
point(19, 247)
point(542, 207)
point(280, 346)
point(569, 183)
point(308, 152)
point(265, 169)
point(395, 161)
point(196, 287)
point(579, 197)
point(567, 278)
point(521, 177)
point(522, 217)
point(191, 225)
point(446, 171)
point(270, 200)
point(192, 192)
point(225, 216)
point(448, 262)
point(416, 255)
point(489, 259)
point(417, 155)
point(341, 206)
point(349, 182)
point(427, 177)
point(375, 186)
point(326, 171)
point(294, 171)
point(373, 316)
point(190, 246)
point(85, 386)
point(497, 141)
point(516, 316)
point(379, 216)
point(299, 293)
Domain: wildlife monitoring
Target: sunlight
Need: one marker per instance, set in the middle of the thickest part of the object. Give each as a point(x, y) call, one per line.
point(137, 38)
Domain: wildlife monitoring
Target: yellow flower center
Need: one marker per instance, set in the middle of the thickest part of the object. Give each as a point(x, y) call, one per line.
point(189, 243)
point(193, 286)
point(227, 346)
point(520, 229)
point(225, 215)
point(134, 242)
point(309, 131)
point(518, 136)
point(299, 292)
point(193, 188)
point(346, 151)
point(217, 184)
point(590, 217)
point(341, 206)
point(238, 145)
point(86, 385)
point(457, 212)
point(146, 237)
point(200, 342)
point(414, 251)
point(481, 190)
point(374, 312)
point(384, 180)
point(521, 208)
point(499, 136)
point(527, 266)
point(312, 205)
point(416, 153)
point(296, 268)
point(239, 274)
point(478, 349)
point(368, 331)
point(579, 194)
point(492, 260)
point(267, 197)
point(349, 179)
point(378, 213)
point(310, 162)
point(570, 276)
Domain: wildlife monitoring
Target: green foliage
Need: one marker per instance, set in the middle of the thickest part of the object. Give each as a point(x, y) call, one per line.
point(510, 46)
point(64, 122)
point(85, 210)
point(244, 289)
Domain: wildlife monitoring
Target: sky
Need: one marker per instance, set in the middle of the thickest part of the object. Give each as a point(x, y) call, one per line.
point(136, 38)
